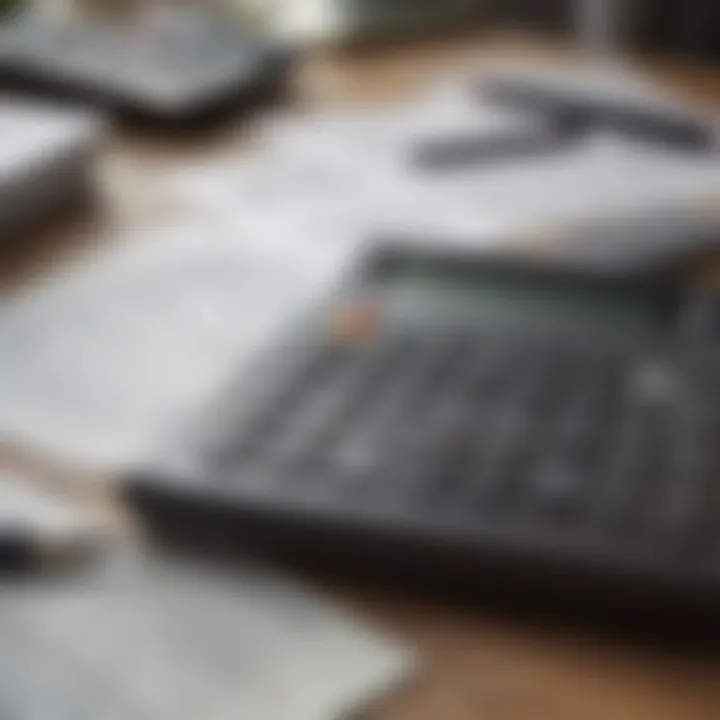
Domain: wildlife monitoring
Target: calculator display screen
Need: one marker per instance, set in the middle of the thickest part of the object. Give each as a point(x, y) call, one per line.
point(426, 292)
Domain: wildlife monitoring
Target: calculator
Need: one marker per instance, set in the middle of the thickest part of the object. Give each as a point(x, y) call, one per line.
point(175, 74)
point(472, 422)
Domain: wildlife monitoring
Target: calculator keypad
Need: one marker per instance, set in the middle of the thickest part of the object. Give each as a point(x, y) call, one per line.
point(474, 429)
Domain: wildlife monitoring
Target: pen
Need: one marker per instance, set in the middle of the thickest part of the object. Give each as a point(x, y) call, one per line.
point(465, 151)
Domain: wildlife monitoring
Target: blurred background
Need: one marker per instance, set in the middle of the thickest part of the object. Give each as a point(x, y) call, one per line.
point(660, 26)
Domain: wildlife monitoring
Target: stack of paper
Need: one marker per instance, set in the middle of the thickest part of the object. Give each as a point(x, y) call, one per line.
point(339, 177)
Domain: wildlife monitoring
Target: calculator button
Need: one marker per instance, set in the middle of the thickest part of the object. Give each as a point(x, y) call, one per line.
point(637, 466)
point(493, 474)
point(499, 459)
point(555, 486)
point(677, 519)
point(356, 459)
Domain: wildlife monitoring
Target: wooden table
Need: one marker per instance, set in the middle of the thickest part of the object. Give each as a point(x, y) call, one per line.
point(479, 666)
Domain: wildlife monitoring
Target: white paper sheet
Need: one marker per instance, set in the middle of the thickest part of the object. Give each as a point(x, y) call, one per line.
point(350, 198)
point(352, 165)
point(186, 641)
point(605, 176)
point(102, 359)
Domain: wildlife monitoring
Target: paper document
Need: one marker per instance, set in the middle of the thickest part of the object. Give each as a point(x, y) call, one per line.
point(186, 642)
point(322, 204)
point(344, 176)
point(605, 177)
point(107, 355)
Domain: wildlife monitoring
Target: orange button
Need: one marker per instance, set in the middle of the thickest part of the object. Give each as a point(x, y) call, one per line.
point(356, 322)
